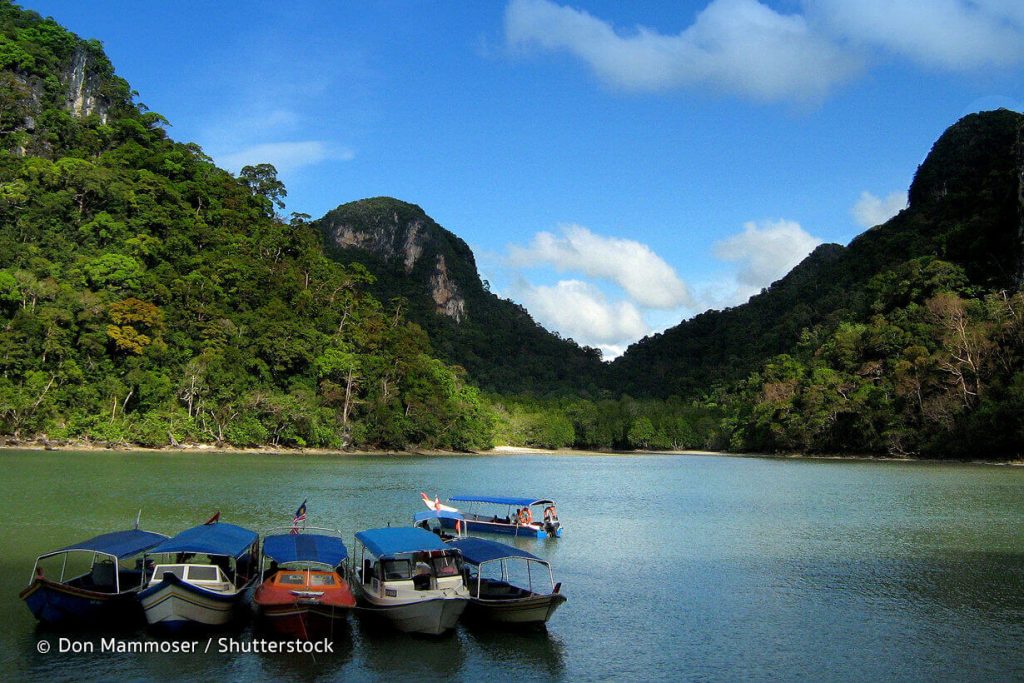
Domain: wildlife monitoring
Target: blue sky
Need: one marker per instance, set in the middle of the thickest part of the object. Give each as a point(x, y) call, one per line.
point(616, 167)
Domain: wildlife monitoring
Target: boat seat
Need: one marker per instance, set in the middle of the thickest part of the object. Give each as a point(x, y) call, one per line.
point(104, 575)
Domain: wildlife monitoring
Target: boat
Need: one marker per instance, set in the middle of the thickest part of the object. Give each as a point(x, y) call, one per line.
point(305, 593)
point(513, 516)
point(201, 577)
point(412, 578)
point(106, 593)
point(495, 597)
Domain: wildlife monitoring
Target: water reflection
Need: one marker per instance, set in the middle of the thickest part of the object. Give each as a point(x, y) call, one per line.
point(527, 653)
point(388, 652)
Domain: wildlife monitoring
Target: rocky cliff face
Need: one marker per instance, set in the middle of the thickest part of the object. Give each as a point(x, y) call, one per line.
point(403, 237)
point(83, 86)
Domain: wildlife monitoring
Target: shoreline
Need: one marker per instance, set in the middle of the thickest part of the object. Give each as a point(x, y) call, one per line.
point(212, 449)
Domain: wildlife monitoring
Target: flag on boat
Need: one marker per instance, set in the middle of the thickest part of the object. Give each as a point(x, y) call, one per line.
point(214, 519)
point(300, 516)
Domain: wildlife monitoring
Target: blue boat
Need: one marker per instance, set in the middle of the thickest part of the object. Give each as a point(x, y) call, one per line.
point(534, 517)
point(106, 593)
point(201, 576)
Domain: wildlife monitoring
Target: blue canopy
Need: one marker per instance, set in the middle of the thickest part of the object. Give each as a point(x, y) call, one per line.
point(117, 543)
point(478, 550)
point(395, 540)
point(219, 538)
point(502, 500)
point(283, 548)
point(436, 514)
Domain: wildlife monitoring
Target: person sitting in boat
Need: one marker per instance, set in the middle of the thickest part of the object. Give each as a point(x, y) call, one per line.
point(550, 514)
point(525, 516)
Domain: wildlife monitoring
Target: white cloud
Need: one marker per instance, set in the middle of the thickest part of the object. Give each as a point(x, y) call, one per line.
point(870, 210)
point(285, 156)
point(745, 47)
point(949, 34)
point(581, 311)
point(765, 251)
point(645, 276)
point(738, 46)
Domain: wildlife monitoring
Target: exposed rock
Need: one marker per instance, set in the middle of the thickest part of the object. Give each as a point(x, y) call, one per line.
point(445, 293)
point(83, 97)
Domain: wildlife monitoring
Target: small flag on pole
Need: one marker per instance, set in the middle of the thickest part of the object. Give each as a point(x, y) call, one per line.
point(300, 516)
point(214, 519)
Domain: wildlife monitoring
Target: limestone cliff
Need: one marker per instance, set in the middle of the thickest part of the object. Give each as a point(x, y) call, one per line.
point(403, 237)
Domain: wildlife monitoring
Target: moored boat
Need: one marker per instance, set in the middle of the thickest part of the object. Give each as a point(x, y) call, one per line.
point(106, 593)
point(515, 516)
point(412, 578)
point(201, 577)
point(495, 596)
point(306, 593)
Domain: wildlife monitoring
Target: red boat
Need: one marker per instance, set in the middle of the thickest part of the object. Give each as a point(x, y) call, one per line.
point(305, 593)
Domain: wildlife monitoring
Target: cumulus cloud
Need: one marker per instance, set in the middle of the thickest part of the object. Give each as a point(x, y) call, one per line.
point(949, 34)
point(580, 310)
point(870, 210)
point(285, 156)
point(738, 46)
point(746, 48)
point(645, 276)
point(765, 252)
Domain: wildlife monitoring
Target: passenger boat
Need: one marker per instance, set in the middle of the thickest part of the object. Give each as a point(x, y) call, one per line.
point(305, 593)
point(201, 577)
point(104, 593)
point(514, 516)
point(495, 597)
point(412, 578)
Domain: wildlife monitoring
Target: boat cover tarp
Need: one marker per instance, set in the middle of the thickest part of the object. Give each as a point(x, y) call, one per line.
point(282, 548)
point(478, 550)
point(436, 514)
point(118, 543)
point(501, 500)
point(395, 540)
point(219, 538)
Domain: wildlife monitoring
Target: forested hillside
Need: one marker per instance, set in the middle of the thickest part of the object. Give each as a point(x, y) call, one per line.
point(148, 296)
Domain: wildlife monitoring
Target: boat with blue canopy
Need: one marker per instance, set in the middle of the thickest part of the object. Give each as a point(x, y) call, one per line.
point(305, 592)
point(105, 576)
point(511, 515)
point(200, 576)
point(508, 585)
point(412, 578)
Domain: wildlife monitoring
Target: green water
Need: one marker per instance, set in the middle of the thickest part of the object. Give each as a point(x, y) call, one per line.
point(676, 567)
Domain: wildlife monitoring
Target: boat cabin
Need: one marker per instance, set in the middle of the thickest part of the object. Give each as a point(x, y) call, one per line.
point(209, 576)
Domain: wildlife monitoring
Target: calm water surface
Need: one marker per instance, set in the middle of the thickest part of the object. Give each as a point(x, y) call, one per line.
point(676, 567)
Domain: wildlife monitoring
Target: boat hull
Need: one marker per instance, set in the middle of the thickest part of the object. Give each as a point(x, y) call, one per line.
point(490, 527)
point(534, 609)
point(304, 622)
point(283, 613)
point(60, 604)
point(175, 605)
point(432, 616)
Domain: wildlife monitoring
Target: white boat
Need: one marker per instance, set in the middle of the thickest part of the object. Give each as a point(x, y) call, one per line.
point(411, 578)
point(203, 578)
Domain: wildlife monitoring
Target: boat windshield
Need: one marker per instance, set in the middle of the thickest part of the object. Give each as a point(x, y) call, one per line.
point(447, 565)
